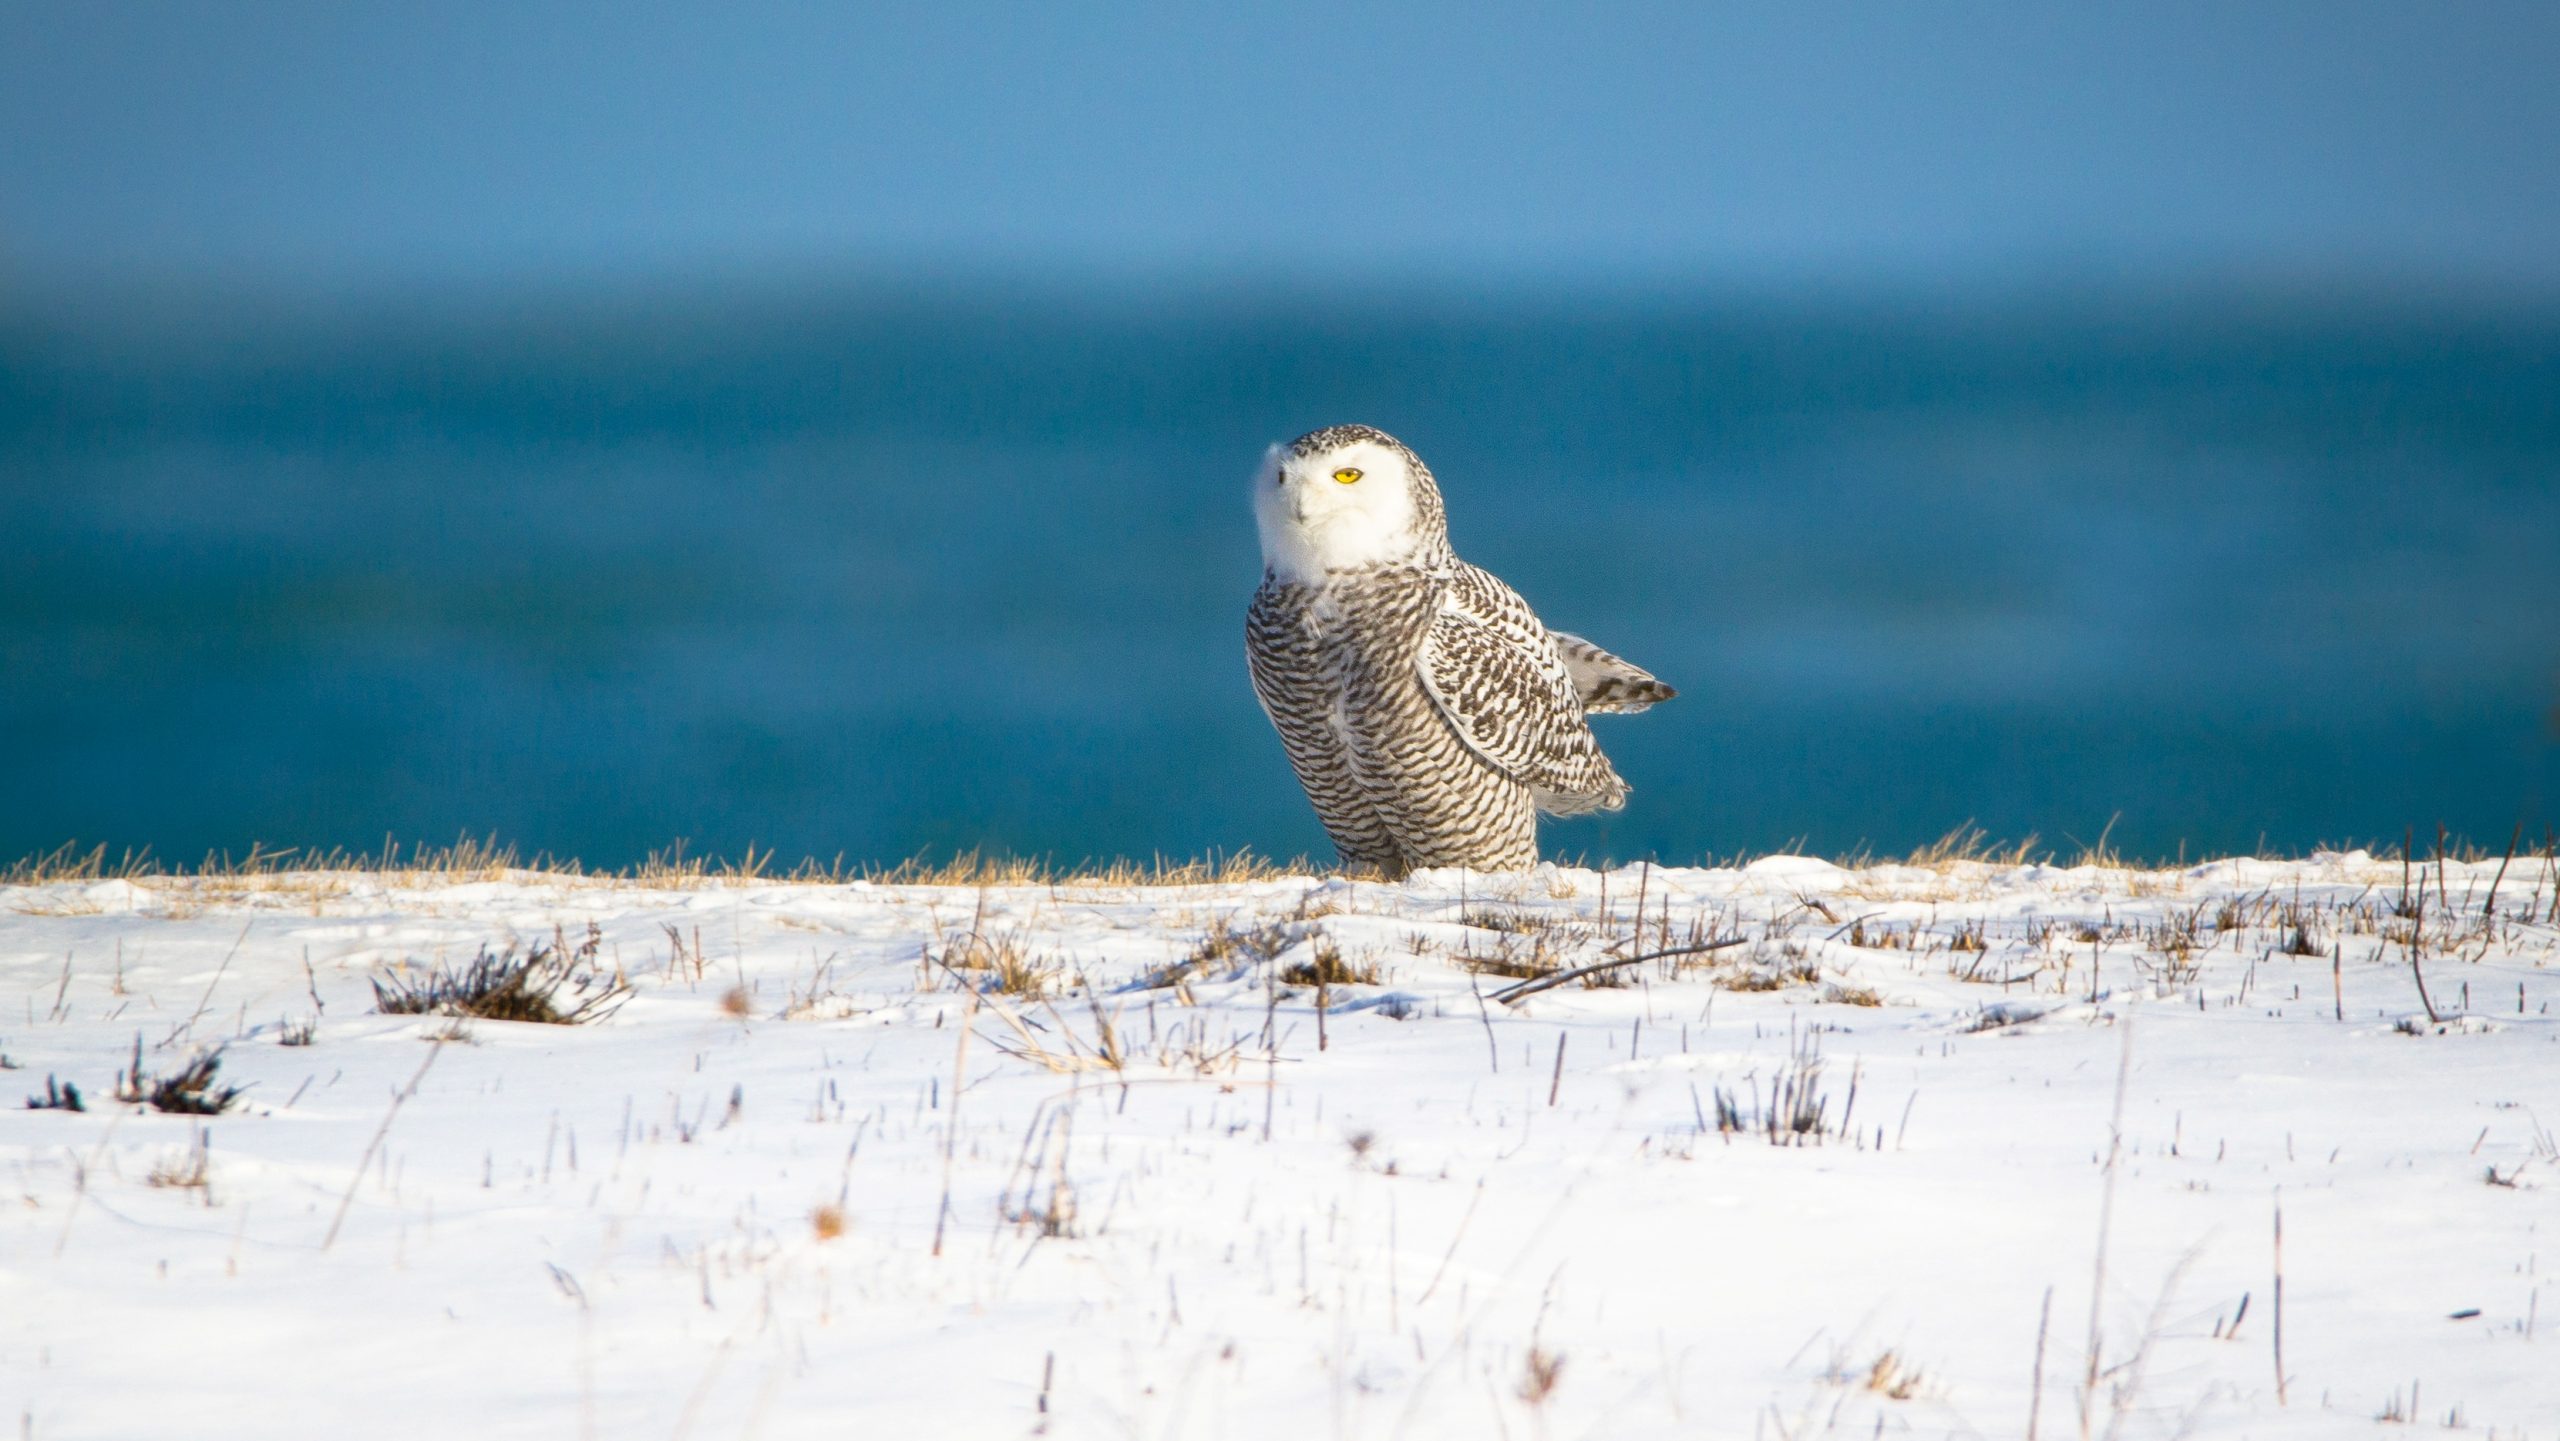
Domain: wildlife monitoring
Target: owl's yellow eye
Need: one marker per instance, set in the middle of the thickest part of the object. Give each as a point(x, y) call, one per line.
point(1346, 475)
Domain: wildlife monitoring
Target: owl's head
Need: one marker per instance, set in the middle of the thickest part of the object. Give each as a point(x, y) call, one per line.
point(1344, 498)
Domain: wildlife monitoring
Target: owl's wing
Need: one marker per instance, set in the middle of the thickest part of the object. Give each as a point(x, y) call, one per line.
point(1608, 684)
point(1497, 678)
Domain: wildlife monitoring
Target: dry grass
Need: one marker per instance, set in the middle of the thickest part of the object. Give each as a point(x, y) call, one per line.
point(1526, 958)
point(548, 984)
point(1765, 967)
point(188, 1092)
point(1529, 945)
point(1882, 938)
point(1007, 962)
point(1892, 1377)
point(187, 1170)
point(1225, 942)
point(973, 868)
point(58, 1096)
point(1512, 923)
point(1330, 969)
point(1842, 993)
point(1796, 1110)
point(465, 859)
point(1968, 844)
point(470, 859)
point(68, 863)
point(1540, 1373)
point(1062, 1047)
point(1754, 979)
point(1961, 865)
point(1225, 945)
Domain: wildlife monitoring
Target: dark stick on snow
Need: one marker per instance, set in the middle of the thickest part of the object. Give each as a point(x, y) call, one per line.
point(2417, 923)
point(2551, 862)
point(1511, 995)
point(1493, 1051)
point(1853, 925)
point(2490, 905)
point(959, 1083)
point(2035, 1388)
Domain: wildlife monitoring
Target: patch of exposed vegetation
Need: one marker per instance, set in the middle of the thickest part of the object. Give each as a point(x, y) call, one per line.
point(1007, 963)
point(1517, 923)
point(189, 1091)
point(1225, 946)
point(549, 984)
point(1893, 1377)
point(1794, 1112)
point(62, 1097)
point(1328, 968)
point(187, 1170)
point(474, 859)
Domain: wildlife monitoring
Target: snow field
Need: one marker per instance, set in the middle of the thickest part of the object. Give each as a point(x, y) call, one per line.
point(1085, 1160)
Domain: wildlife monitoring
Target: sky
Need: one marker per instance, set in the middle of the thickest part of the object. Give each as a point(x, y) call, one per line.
point(374, 143)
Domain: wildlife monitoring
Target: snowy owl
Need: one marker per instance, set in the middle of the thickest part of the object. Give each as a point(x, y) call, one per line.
point(1427, 710)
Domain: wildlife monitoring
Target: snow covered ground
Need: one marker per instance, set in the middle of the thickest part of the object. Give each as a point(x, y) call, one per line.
point(823, 1174)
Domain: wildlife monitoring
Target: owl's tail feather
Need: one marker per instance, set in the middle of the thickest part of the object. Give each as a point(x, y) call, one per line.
point(1610, 796)
point(1608, 684)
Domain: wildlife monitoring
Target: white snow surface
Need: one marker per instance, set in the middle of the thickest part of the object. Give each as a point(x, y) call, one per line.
point(1380, 1221)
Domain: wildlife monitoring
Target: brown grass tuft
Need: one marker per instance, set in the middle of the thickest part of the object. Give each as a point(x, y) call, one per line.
point(187, 1170)
point(188, 1092)
point(1968, 842)
point(1330, 969)
point(549, 984)
point(1892, 1377)
point(1540, 1372)
point(1010, 965)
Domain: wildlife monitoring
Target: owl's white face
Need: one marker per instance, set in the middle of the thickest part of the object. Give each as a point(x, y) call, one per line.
point(1339, 509)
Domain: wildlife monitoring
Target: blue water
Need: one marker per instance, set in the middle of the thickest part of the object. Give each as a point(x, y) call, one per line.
point(868, 568)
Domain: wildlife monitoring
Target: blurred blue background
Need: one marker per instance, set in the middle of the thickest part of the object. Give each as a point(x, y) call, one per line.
point(826, 427)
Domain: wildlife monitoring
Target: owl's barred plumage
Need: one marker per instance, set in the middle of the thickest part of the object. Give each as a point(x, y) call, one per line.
point(1428, 712)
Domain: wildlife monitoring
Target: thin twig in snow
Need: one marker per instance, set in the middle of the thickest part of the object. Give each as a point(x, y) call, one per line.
point(2035, 1386)
point(951, 1122)
point(1514, 994)
point(2106, 1219)
point(207, 998)
point(2279, 1297)
point(399, 1098)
